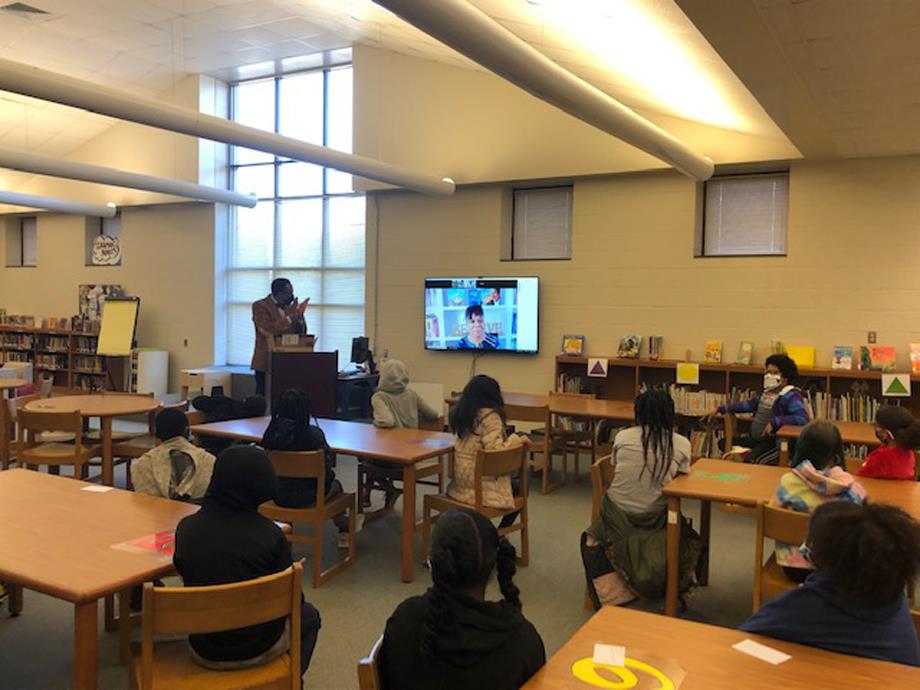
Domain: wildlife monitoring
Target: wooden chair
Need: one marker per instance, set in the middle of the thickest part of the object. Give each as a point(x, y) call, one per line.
point(544, 443)
point(368, 671)
point(312, 465)
point(127, 450)
point(30, 451)
point(602, 471)
point(782, 525)
point(574, 441)
point(195, 610)
point(489, 463)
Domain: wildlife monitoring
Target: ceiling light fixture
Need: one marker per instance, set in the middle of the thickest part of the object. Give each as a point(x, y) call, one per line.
point(49, 203)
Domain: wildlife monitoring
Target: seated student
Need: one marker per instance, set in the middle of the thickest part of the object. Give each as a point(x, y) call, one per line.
point(221, 408)
point(478, 422)
point(780, 404)
point(229, 541)
point(634, 512)
point(451, 638)
point(175, 468)
point(854, 603)
point(899, 433)
point(395, 405)
point(290, 429)
point(817, 477)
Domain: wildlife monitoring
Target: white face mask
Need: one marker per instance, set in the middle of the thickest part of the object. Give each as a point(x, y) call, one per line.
point(770, 381)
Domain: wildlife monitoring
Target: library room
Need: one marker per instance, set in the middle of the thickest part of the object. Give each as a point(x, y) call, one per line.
point(398, 345)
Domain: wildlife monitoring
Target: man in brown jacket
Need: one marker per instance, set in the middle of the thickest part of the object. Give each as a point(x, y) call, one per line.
point(274, 315)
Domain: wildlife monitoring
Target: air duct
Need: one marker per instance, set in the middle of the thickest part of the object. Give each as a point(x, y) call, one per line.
point(57, 167)
point(60, 205)
point(49, 86)
point(473, 33)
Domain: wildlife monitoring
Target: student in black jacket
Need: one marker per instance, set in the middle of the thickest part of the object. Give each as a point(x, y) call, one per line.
point(451, 637)
point(229, 541)
point(290, 429)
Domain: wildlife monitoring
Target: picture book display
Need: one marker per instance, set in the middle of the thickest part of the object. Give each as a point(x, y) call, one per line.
point(630, 345)
point(802, 355)
point(877, 357)
point(745, 353)
point(573, 345)
point(160, 544)
point(915, 358)
point(842, 357)
point(713, 352)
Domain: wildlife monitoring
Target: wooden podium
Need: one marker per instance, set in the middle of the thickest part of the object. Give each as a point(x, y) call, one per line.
point(296, 365)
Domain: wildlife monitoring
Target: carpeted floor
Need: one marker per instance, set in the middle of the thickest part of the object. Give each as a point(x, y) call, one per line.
point(36, 648)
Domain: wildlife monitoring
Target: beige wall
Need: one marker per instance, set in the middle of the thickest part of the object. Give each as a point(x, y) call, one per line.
point(853, 265)
point(168, 261)
point(475, 127)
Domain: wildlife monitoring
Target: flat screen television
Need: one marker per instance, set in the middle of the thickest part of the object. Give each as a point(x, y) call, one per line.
point(482, 314)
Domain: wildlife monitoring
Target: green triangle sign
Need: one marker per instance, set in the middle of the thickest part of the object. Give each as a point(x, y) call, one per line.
point(896, 387)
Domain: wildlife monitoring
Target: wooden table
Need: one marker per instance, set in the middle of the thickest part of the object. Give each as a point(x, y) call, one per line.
point(572, 406)
point(103, 406)
point(57, 539)
point(860, 433)
point(723, 481)
point(405, 446)
point(705, 653)
point(10, 385)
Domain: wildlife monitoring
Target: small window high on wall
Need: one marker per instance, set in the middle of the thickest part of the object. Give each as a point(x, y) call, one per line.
point(22, 242)
point(745, 215)
point(542, 224)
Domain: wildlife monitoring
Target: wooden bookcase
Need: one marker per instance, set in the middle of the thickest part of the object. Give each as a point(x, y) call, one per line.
point(67, 355)
point(626, 376)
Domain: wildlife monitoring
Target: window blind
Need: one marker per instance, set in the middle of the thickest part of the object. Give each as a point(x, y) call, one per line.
point(746, 215)
point(542, 224)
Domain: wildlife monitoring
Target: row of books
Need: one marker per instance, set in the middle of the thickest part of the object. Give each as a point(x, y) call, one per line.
point(51, 361)
point(695, 403)
point(95, 364)
point(849, 407)
point(14, 356)
point(17, 340)
point(60, 323)
point(567, 383)
point(88, 382)
point(53, 342)
point(85, 344)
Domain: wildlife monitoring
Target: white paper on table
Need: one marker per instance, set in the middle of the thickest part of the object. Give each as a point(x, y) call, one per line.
point(609, 654)
point(95, 488)
point(762, 652)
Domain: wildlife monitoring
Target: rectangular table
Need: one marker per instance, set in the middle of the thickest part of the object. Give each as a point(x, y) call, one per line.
point(705, 654)
point(57, 539)
point(408, 447)
point(860, 433)
point(571, 406)
point(723, 481)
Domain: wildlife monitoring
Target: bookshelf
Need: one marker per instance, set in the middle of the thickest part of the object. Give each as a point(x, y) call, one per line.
point(66, 355)
point(839, 394)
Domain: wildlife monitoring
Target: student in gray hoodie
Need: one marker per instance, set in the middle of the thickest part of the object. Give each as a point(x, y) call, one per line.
point(395, 406)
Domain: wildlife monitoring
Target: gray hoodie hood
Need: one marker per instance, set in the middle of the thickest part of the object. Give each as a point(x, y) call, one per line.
point(394, 377)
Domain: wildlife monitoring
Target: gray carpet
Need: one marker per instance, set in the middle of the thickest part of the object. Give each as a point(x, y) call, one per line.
point(36, 648)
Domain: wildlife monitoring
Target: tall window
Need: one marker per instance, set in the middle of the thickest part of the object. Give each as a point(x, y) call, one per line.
point(308, 225)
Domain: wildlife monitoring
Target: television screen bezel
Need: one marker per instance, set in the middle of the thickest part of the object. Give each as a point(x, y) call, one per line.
point(479, 352)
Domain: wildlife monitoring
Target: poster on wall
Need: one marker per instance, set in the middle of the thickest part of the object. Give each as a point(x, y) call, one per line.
point(91, 298)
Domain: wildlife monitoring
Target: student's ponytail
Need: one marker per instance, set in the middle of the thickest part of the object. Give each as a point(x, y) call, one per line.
point(505, 564)
point(909, 436)
point(901, 424)
point(443, 576)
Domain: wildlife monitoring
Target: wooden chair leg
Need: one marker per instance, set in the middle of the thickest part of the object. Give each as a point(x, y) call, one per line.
point(362, 479)
point(128, 483)
point(110, 622)
point(426, 529)
point(524, 558)
point(318, 555)
point(14, 592)
point(441, 476)
point(589, 605)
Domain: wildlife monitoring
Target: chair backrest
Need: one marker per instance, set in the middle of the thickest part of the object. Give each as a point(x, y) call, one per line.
point(602, 472)
point(784, 525)
point(432, 425)
point(304, 464)
point(31, 424)
point(194, 610)
point(196, 417)
point(499, 463)
point(368, 669)
point(527, 413)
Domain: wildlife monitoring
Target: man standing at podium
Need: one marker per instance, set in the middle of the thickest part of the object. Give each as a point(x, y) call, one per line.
point(276, 314)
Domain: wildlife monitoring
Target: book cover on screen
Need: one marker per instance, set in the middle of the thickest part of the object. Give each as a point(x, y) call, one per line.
point(877, 357)
point(745, 353)
point(843, 357)
point(630, 345)
point(713, 352)
point(915, 358)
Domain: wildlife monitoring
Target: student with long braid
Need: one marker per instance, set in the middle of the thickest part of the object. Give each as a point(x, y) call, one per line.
point(451, 637)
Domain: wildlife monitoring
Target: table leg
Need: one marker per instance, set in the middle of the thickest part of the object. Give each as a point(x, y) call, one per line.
point(108, 613)
point(705, 524)
point(408, 526)
point(85, 661)
point(14, 592)
point(670, 600)
point(124, 626)
point(108, 465)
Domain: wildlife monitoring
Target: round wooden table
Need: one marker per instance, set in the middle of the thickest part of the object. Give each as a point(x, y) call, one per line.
point(103, 406)
point(10, 385)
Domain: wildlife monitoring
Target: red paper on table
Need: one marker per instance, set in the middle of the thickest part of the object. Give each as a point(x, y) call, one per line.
point(161, 544)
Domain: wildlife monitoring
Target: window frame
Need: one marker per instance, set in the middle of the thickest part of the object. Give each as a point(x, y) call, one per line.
point(510, 246)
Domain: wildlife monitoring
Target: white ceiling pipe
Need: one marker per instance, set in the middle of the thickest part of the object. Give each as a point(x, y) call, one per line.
point(49, 203)
point(49, 86)
point(57, 167)
point(473, 33)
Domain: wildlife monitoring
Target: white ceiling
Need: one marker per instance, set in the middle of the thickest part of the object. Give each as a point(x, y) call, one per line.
point(146, 45)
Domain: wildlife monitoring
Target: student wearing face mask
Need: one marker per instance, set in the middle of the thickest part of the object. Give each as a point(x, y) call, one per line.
point(276, 314)
point(899, 434)
point(780, 404)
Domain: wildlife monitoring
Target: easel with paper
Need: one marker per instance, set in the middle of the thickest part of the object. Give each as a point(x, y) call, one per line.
point(116, 334)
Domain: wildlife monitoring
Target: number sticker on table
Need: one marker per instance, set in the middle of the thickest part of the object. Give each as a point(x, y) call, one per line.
point(587, 672)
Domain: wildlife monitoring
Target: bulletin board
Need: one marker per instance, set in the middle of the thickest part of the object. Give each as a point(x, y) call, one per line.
point(119, 319)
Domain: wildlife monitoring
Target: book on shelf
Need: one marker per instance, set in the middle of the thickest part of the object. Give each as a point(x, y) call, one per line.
point(745, 353)
point(915, 358)
point(630, 346)
point(695, 403)
point(802, 355)
point(842, 357)
point(712, 353)
point(877, 357)
point(654, 346)
point(777, 347)
point(568, 383)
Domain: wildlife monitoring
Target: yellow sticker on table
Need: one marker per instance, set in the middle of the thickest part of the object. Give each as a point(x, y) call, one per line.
point(586, 671)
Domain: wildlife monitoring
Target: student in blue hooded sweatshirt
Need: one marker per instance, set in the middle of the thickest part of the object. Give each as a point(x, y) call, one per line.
point(855, 602)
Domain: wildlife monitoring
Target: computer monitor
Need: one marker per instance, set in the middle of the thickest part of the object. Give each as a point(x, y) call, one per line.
point(359, 349)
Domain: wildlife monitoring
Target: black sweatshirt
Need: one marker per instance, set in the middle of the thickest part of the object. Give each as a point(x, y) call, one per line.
point(490, 646)
point(285, 434)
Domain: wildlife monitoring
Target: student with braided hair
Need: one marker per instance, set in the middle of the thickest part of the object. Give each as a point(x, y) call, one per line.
point(451, 637)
